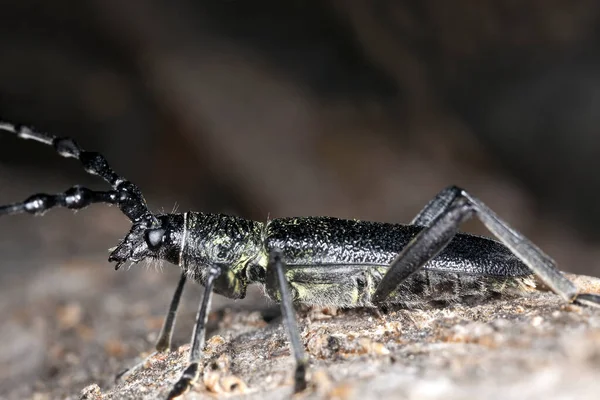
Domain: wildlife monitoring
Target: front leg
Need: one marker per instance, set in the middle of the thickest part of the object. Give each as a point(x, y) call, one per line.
point(163, 344)
point(441, 219)
point(192, 371)
point(276, 279)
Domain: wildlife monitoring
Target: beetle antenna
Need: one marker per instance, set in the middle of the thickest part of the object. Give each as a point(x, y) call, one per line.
point(125, 194)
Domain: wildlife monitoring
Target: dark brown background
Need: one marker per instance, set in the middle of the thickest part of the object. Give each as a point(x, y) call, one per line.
point(351, 108)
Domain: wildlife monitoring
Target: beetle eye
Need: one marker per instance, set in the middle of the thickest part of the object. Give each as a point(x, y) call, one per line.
point(154, 238)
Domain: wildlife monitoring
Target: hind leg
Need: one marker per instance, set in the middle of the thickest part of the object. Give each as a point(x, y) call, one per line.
point(442, 218)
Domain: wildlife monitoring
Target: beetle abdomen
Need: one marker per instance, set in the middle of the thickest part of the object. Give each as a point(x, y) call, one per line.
point(325, 240)
point(354, 286)
point(340, 262)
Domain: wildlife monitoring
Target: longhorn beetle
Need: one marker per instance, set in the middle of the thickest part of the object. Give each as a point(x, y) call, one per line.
point(311, 260)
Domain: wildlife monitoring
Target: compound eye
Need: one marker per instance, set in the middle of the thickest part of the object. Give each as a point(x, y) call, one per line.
point(154, 238)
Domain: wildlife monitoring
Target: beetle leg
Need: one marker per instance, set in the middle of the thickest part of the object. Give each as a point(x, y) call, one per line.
point(192, 372)
point(435, 207)
point(163, 344)
point(443, 216)
point(423, 247)
point(166, 333)
point(276, 278)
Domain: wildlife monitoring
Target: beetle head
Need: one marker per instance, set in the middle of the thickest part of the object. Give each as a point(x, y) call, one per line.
point(159, 238)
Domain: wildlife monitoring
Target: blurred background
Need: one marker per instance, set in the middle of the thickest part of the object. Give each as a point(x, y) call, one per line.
point(350, 108)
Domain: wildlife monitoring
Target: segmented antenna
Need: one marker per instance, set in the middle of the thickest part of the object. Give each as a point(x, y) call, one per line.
point(125, 194)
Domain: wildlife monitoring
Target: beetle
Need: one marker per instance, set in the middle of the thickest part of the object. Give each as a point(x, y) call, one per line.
point(310, 260)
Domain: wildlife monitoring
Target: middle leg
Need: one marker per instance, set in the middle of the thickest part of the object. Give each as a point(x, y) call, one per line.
point(276, 279)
